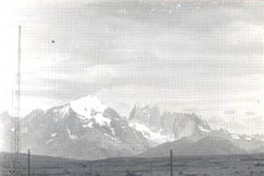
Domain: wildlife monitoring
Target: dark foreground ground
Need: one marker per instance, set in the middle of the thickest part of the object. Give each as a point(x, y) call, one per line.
point(243, 165)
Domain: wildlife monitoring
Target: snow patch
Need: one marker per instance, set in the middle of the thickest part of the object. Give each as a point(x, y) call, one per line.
point(72, 137)
point(53, 134)
point(203, 129)
point(112, 138)
point(89, 125)
point(151, 135)
point(48, 141)
point(113, 131)
point(101, 120)
point(248, 138)
point(62, 111)
point(235, 136)
point(98, 119)
point(88, 106)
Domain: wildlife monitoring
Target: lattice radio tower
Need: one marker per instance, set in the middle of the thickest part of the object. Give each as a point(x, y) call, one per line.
point(15, 122)
point(17, 97)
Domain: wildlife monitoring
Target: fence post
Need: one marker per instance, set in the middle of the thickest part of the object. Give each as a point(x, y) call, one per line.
point(28, 162)
point(171, 162)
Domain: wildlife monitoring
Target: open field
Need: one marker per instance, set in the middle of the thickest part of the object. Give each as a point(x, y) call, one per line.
point(242, 165)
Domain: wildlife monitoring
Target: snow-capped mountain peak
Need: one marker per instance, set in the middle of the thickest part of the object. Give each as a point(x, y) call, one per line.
point(95, 131)
point(88, 106)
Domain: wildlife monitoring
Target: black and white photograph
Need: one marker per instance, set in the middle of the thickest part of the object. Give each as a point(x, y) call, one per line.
point(132, 88)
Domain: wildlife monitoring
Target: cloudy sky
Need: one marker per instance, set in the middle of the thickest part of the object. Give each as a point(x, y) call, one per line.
point(202, 57)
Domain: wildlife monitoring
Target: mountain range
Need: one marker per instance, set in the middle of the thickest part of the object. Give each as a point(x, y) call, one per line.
point(87, 128)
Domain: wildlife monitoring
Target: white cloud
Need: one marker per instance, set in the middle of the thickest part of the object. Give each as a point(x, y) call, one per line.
point(99, 73)
point(207, 60)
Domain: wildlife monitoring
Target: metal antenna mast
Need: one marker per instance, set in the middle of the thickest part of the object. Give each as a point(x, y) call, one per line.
point(17, 97)
point(15, 124)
